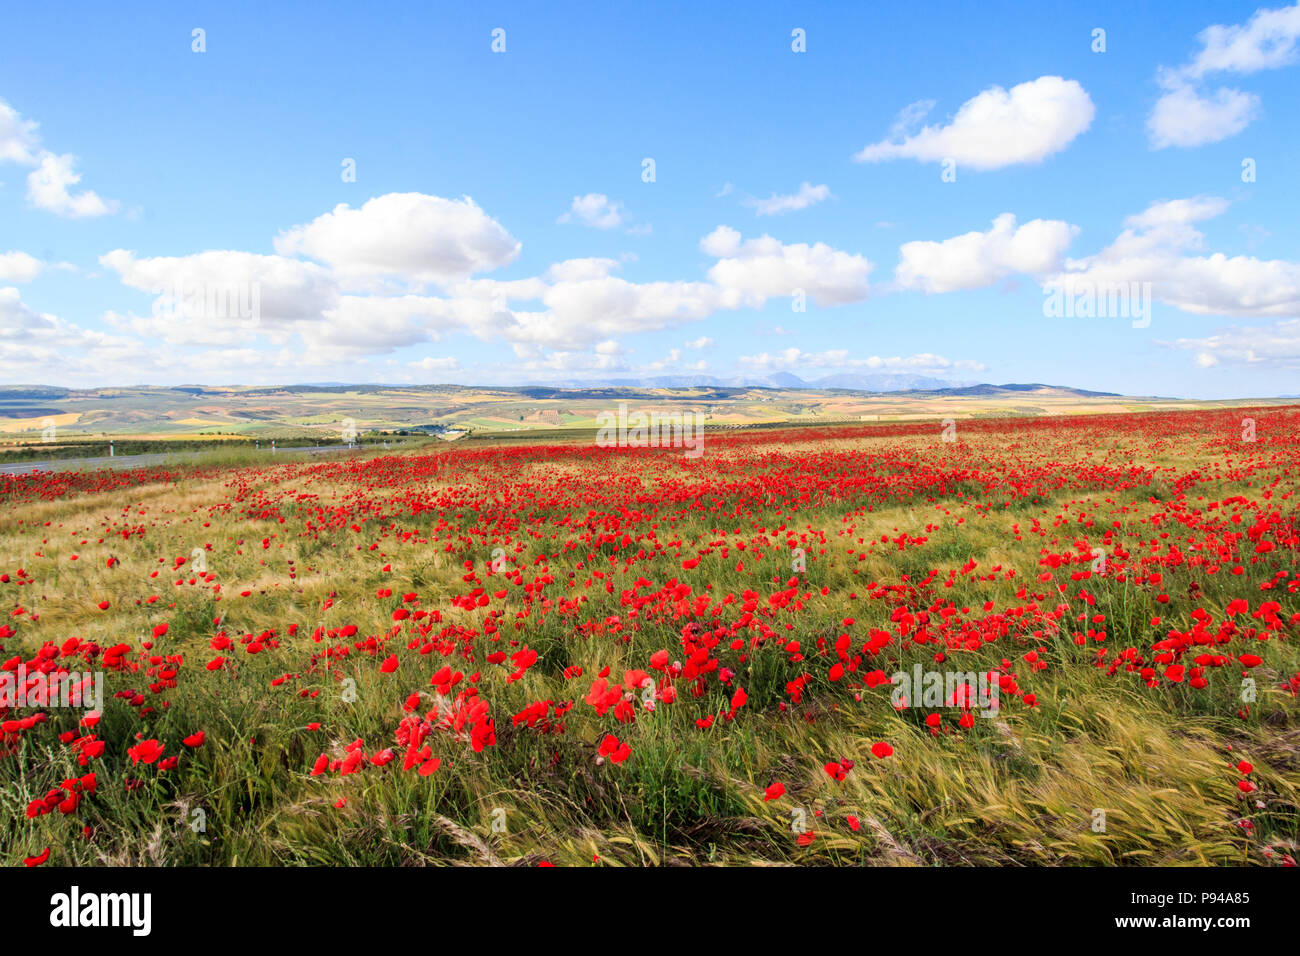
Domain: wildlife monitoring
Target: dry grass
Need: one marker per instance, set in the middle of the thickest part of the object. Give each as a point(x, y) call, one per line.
point(1022, 789)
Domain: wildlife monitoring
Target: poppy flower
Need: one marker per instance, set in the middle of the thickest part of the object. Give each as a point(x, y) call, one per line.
point(146, 751)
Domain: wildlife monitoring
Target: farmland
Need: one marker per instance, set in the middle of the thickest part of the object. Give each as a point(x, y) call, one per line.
point(316, 413)
point(551, 651)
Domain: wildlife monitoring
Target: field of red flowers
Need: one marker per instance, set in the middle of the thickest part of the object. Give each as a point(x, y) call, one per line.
point(570, 654)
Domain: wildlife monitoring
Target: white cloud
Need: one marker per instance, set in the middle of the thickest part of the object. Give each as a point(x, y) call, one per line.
point(595, 210)
point(1184, 116)
point(19, 141)
point(1177, 213)
point(578, 311)
point(577, 270)
point(807, 195)
point(671, 360)
point(410, 236)
point(441, 364)
point(36, 347)
point(361, 325)
point(48, 184)
point(47, 188)
point(1275, 346)
point(1266, 41)
point(19, 267)
point(910, 119)
point(354, 303)
point(751, 271)
point(581, 303)
point(571, 361)
point(17, 321)
point(1152, 248)
point(996, 128)
point(223, 297)
point(842, 359)
point(979, 259)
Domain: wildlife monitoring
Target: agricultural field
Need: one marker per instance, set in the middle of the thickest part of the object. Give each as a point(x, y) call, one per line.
point(28, 414)
point(1068, 640)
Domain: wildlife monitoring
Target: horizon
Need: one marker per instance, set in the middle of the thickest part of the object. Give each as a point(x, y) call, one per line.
point(604, 385)
point(644, 385)
point(1082, 198)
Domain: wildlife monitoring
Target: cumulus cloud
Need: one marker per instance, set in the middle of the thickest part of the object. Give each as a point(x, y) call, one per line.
point(606, 357)
point(595, 210)
point(979, 259)
point(409, 236)
point(996, 128)
point(1185, 115)
point(578, 311)
point(48, 189)
point(1275, 346)
point(843, 359)
point(1266, 41)
point(447, 363)
point(807, 195)
point(576, 270)
point(352, 284)
point(48, 185)
point(36, 345)
point(19, 142)
point(368, 324)
point(670, 361)
point(750, 271)
point(574, 304)
point(18, 321)
point(226, 298)
point(287, 289)
point(1154, 247)
point(19, 267)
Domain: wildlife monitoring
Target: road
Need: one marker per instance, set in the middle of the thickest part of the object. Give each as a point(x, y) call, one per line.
point(144, 461)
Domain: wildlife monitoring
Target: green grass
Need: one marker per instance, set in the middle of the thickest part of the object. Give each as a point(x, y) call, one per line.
point(1022, 788)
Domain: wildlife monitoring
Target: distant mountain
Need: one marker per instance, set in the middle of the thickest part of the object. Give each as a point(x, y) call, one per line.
point(881, 382)
point(999, 389)
point(857, 381)
point(874, 383)
point(775, 380)
point(869, 382)
point(32, 391)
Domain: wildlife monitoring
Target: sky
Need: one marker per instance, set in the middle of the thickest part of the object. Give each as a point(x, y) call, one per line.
point(244, 193)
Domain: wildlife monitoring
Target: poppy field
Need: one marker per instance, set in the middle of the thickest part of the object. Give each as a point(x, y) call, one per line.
point(569, 654)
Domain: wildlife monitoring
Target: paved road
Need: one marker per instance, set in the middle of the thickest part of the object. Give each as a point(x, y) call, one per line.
point(144, 461)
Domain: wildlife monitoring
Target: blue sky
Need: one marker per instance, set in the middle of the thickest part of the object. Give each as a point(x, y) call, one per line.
point(500, 228)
